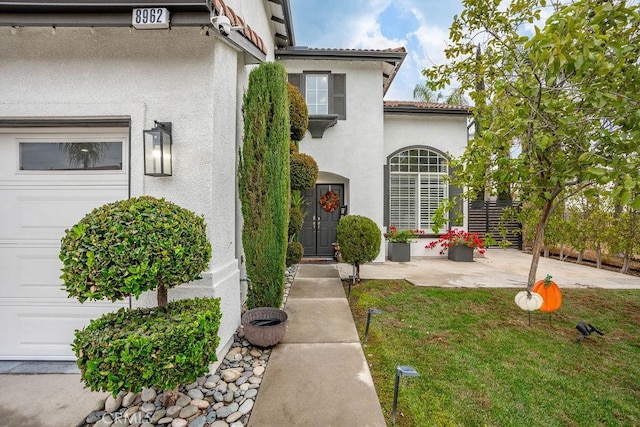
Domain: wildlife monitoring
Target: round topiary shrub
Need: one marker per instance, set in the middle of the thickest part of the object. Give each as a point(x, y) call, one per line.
point(298, 113)
point(359, 239)
point(295, 251)
point(304, 171)
point(131, 246)
point(296, 221)
point(149, 347)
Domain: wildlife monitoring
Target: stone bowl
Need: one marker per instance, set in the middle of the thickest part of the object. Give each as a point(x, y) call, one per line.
point(264, 326)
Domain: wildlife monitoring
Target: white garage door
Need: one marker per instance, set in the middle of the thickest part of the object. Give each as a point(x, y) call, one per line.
point(49, 179)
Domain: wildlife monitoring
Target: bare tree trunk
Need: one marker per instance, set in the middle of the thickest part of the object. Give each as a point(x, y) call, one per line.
point(357, 271)
point(162, 296)
point(546, 252)
point(625, 264)
point(598, 257)
point(580, 255)
point(561, 254)
point(538, 242)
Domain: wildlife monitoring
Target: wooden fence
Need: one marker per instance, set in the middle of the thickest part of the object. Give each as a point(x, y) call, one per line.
point(487, 217)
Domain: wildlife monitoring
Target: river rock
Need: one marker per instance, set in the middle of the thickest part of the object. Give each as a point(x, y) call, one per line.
point(112, 404)
point(148, 394)
point(195, 394)
point(183, 400)
point(148, 407)
point(179, 422)
point(173, 411)
point(188, 411)
point(234, 417)
point(230, 375)
point(160, 413)
point(246, 407)
point(128, 399)
point(198, 422)
point(200, 404)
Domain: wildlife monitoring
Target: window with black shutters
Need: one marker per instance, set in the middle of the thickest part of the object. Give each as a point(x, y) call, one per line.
point(325, 92)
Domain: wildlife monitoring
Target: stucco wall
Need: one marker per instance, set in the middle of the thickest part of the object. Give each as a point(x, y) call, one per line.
point(180, 76)
point(446, 133)
point(353, 148)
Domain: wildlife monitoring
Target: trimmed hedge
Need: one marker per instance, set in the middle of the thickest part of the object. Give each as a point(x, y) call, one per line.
point(149, 347)
point(304, 171)
point(263, 183)
point(131, 246)
point(298, 113)
point(296, 221)
point(295, 251)
point(359, 239)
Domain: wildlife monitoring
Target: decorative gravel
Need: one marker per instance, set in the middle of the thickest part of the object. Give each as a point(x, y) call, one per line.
point(224, 399)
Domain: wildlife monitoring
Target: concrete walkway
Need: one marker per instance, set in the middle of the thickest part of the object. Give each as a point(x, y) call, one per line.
point(317, 375)
point(497, 268)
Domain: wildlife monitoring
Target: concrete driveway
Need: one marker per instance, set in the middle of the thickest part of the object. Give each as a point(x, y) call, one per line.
point(497, 268)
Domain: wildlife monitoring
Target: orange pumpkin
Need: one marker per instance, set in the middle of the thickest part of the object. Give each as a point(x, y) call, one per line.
point(550, 292)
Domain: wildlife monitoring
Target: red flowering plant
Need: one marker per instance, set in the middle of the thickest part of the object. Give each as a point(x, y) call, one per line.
point(455, 237)
point(401, 236)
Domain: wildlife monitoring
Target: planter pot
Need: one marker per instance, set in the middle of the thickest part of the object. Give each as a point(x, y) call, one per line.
point(399, 252)
point(264, 326)
point(460, 253)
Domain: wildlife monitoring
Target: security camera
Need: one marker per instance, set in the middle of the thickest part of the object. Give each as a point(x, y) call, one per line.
point(222, 23)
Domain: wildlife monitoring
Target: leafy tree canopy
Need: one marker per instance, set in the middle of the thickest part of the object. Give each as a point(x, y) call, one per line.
point(556, 101)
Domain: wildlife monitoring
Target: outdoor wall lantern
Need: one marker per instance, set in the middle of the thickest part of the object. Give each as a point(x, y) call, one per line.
point(157, 150)
point(369, 313)
point(401, 371)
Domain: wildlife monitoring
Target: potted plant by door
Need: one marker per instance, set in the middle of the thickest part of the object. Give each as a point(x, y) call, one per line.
point(459, 245)
point(399, 243)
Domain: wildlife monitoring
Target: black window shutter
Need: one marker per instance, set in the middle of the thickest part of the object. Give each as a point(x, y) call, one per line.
point(297, 80)
point(338, 95)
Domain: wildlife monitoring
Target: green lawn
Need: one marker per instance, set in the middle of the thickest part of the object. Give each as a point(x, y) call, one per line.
point(481, 364)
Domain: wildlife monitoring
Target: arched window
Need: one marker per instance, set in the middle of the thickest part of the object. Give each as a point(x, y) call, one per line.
point(417, 185)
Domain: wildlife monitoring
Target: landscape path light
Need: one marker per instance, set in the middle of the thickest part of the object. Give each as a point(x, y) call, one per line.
point(369, 313)
point(401, 371)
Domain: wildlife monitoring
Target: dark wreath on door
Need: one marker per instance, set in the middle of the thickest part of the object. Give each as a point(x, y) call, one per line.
point(324, 207)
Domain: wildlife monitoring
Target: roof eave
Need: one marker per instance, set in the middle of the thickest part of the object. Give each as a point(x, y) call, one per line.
point(336, 54)
point(405, 109)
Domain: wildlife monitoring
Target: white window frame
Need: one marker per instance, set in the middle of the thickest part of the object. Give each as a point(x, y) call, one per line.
point(424, 172)
point(317, 95)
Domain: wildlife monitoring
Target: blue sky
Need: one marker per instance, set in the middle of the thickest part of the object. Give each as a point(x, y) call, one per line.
point(421, 26)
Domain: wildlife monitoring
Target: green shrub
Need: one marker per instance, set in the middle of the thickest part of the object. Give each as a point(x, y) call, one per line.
point(304, 171)
point(293, 147)
point(296, 221)
point(298, 113)
point(149, 347)
point(131, 246)
point(263, 183)
point(295, 251)
point(359, 239)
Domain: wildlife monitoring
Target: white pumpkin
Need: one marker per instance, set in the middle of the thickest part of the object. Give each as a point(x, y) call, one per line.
point(528, 301)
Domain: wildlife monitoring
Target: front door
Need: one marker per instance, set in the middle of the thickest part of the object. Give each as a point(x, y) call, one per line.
point(319, 230)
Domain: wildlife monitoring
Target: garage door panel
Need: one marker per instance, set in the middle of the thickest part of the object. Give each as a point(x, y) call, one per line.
point(37, 204)
point(31, 272)
point(36, 213)
point(43, 329)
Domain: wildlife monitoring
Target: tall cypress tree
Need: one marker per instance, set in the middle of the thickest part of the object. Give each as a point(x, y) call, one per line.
point(263, 183)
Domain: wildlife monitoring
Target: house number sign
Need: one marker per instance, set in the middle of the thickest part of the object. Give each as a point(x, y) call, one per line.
point(150, 18)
